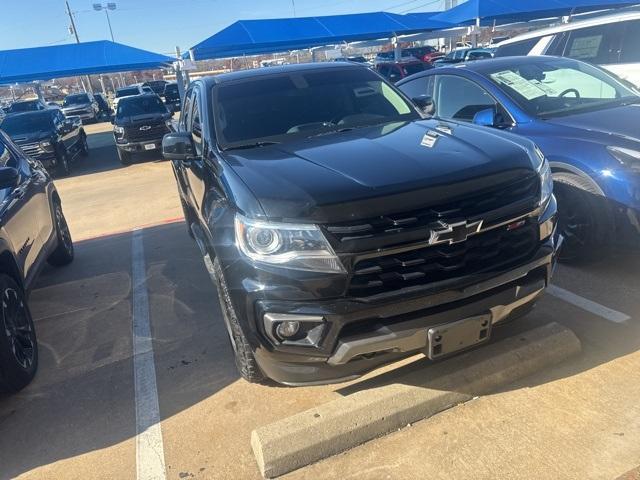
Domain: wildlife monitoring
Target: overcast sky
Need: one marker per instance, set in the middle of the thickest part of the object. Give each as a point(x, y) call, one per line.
point(160, 25)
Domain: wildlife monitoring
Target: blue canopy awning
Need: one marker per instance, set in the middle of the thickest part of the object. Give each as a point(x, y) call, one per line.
point(252, 37)
point(44, 63)
point(510, 11)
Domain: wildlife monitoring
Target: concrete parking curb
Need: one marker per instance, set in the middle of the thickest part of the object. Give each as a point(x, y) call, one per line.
point(344, 423)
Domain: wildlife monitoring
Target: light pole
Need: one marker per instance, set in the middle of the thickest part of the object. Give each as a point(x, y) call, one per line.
point(293, 4)
point(106, 7)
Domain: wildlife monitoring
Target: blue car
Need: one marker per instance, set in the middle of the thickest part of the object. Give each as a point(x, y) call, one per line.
point(585, 121)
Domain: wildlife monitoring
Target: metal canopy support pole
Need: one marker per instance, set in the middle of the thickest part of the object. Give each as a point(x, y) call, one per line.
point(179, 79)
point(476, 33)
point(102, 84)
point(397, 51)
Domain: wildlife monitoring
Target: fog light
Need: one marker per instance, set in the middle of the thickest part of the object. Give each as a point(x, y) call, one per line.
point(288, 329)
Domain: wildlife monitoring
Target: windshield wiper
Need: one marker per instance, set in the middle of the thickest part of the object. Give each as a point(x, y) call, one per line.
point(245, 146)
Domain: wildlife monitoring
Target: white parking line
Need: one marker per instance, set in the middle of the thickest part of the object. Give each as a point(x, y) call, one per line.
point(588, 305)
point(149, 446)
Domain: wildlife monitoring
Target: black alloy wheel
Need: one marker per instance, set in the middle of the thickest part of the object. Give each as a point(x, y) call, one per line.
point(64, 252)
point(18, 344)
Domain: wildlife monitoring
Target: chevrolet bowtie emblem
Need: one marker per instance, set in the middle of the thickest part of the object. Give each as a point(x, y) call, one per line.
point(454, 233)
point(145, 127)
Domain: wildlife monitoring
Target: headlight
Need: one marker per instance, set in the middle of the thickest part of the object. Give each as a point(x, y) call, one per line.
point(546, 182)
point(627, 157)
point(299, 247)
point(46, 146)
point(118, 130)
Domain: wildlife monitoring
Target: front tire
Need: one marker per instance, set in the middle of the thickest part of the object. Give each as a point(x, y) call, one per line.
point(64, 252)
point(63, 167)
point(124, 157)
point(84, 146)
point(583, 218)
point(245, 360)
point(18, 345)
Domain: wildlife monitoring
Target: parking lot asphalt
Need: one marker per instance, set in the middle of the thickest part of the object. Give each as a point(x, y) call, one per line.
point(78, 418)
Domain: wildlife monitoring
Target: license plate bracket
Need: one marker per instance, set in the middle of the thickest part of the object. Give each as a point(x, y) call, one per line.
point(149, 146)
point(456, 336)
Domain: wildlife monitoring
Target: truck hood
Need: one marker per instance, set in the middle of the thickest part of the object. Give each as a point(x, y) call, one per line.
point(603, 126)
point(141, 119)
point(31, 137)
point(379, 170)
point(79, 106)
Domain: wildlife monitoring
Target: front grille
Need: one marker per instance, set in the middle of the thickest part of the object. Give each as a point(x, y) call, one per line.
point(492, 250)
point(493, 206)
point(32, 149)
point(77, 111)
point(155, 132)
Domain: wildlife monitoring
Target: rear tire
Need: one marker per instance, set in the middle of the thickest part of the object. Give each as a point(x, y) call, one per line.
point(124, 157)
point(64, 252)
point(245, 360)
point(583, 218)
point(18, 344)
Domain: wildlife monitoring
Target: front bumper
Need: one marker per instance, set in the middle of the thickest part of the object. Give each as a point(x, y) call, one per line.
point(360, 334)
point(142, 146)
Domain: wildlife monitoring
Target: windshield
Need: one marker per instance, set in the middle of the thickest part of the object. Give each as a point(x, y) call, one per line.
point(30, 106)
point(149, 104)
point(30, 123)
point(125, 92)
point(78, 99)
point(277, 108)
point(560, 87)
point(173, 88)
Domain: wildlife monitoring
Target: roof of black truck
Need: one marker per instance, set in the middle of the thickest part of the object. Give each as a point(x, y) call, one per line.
point(258, 72)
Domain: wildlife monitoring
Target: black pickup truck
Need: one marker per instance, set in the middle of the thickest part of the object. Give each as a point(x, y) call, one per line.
point(33, 231)
point(344, 230)
point(139, 124)
point(48, 136)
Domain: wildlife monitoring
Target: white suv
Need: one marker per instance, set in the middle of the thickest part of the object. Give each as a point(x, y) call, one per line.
point(611, 41)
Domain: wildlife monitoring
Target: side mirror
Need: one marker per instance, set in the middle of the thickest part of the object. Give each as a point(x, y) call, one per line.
point(425, 103)
point(178, 146)
point(9, 177)
point(486, 117)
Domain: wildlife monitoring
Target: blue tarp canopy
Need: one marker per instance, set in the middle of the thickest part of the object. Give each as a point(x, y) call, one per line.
point(252, 37)
point(44, 63)
point(511, 11)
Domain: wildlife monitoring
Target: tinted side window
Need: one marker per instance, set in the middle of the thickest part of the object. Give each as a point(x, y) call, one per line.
point(415, 88)
point(631, 44)
point(195, 126)
point(556, 47)
point(460, 99)
point(599, 44)
point(186, 110)
point(517, 48)
point(419, 86)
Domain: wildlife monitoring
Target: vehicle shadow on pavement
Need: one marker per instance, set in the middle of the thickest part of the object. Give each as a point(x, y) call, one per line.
point(82, 399)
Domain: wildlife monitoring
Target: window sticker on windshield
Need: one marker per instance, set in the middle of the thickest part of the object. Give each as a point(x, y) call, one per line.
point(429, 139)
point(585, 47)
point(524, 87)
point(364, 92)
